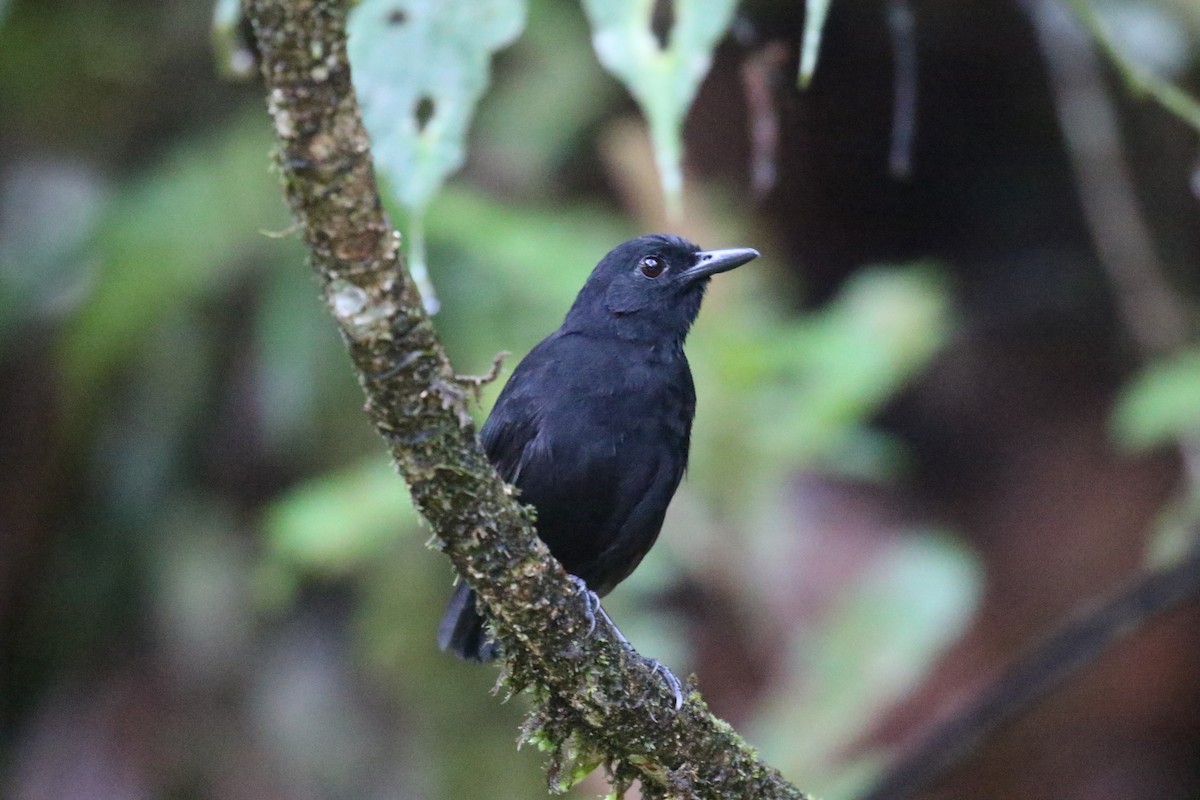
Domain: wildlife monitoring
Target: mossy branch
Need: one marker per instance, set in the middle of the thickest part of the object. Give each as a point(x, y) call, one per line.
point(593, 698)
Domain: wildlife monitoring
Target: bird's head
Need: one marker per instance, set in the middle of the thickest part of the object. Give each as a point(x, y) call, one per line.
point(650, 287)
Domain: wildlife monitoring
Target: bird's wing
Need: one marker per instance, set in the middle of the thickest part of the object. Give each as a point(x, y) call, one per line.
point(543, 442)
point(598, 471)
point(505, 437)
point(646, 491)
point(572, 475)
point(514, 430)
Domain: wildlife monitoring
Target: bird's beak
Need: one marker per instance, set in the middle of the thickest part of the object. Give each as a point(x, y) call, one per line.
point(710, 262)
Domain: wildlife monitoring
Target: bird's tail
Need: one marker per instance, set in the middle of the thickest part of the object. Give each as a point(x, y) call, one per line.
point(463, 629)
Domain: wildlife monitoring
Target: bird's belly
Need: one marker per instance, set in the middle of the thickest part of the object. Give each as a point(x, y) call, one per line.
point(600, 522)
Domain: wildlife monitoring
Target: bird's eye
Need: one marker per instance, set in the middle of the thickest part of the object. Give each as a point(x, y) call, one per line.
point(651, 266)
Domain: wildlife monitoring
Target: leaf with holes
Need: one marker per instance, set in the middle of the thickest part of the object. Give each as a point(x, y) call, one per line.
point(420, 66)
point(662, 76)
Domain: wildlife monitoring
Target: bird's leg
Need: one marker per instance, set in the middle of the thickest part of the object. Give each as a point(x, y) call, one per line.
point(591, 605)
point(672, 682)
point(593, 608)
point(620, 636)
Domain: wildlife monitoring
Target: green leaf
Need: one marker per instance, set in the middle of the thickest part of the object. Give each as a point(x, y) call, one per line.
point(815, 12)
point(420, 66)
point(418, 57)
point(663, 80)
point(337, 522)
point(581, 765)
point(1161, 404)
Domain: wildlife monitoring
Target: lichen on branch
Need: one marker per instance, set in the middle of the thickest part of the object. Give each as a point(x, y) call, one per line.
point(595, 700)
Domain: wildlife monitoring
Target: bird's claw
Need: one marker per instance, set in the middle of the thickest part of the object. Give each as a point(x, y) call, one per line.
point(672, 682)
point(592, 608)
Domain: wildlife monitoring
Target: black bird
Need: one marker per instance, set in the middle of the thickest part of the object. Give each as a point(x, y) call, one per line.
point(593, 426)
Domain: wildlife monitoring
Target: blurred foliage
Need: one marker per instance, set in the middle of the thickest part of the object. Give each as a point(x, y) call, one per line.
point(815, 12)
point(45, 269)
point(535, 152)
point(231, 52)
point(1121, 28)
point(182, 233)
point(914, 601)
point(1161, 405)
point(797, 391)
point(338, 522)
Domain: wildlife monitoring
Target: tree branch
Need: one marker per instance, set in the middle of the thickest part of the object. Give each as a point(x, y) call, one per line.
point(593, 697)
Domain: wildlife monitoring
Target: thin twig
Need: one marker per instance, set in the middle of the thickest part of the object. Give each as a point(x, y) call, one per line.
point(1077, 644)
point(760, 73)
point(477, 382)
point(902, 31)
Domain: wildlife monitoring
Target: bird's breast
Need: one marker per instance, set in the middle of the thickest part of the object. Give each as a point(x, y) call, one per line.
point(620, 389)
point(647, 397)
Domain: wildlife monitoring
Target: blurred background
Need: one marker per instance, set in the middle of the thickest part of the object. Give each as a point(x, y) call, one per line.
point(938, 415)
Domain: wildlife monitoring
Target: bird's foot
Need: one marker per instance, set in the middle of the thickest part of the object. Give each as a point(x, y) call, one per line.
point(669, 677)
point(591, 604)
point(592, 609)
